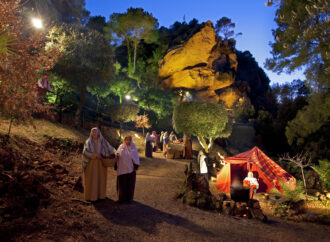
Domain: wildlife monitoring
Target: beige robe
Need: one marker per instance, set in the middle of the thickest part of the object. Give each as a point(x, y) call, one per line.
point(95, 180)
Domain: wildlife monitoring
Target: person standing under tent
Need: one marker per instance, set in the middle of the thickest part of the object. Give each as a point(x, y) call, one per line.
point(128, 162)
point(94, 173)
point(251, 182)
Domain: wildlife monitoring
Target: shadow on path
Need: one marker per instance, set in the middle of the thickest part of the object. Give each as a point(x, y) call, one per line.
point(144, 217)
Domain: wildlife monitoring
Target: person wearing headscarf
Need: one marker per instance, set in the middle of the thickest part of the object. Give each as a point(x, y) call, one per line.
point(173, 137)
point(202, 160)
point(155, 137)
point(187, 147)
point(165, 143)
point(251, 182)
point(128, 162)
point(94, 173)
point(149, 142)
point(161, 140)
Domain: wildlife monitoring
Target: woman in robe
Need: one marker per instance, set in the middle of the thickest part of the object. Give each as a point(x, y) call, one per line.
point(161, 140)
point(173, 137)
point(149, 141)
point(187, 147)
point(94, 173)
point(165, 143)
point(128, 162)
point(155, 137)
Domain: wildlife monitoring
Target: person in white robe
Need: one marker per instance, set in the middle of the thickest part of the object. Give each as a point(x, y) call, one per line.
point(252, 182)
point(128, 162)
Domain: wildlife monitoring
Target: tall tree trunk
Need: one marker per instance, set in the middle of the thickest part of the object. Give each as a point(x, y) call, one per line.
point(129, 59)
point(303, 176)
point(143, 131)
point(134, 60)
point(61, 107)
point(202, 142)
point(10, 124)
point(120, 128)
point(205, 146)
point(81, 103)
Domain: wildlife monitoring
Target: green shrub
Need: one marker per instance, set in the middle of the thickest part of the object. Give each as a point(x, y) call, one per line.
point(291, 195)
point(323, 169)
point(204, 120)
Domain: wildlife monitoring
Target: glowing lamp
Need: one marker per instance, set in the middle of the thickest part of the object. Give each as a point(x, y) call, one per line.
point(37, 23)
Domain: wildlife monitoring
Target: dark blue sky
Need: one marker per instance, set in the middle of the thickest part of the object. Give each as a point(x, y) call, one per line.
point(252, 18)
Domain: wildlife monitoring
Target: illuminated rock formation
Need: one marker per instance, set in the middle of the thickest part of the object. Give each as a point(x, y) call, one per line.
point(204, 63)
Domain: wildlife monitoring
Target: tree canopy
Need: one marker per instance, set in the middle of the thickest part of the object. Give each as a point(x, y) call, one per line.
point(132, 26)
point(204, 120)
point(302, 41)
point(87, 57)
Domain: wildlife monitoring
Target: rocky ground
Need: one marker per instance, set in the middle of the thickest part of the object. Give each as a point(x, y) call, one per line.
point(57, 213)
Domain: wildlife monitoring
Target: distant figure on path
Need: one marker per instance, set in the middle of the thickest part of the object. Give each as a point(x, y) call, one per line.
point(155, 137)
point(202, 160)
point(128, 162)
point(94, 173)
point(149, 141)
point(173, 137)
point(187, 147)
point(161, 140)
point(165, 143)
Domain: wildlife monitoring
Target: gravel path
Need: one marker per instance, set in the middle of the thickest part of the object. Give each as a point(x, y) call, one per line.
point(157, 216)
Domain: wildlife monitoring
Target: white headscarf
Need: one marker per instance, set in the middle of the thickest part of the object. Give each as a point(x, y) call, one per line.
point(128, 156)
point(149, 138)
point(104, 148)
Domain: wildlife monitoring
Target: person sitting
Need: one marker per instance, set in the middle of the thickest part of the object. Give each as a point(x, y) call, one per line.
point(149, 145)
point(173, 137)
point(251, 182)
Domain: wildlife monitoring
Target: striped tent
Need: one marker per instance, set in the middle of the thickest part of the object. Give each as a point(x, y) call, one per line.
point(268, 173)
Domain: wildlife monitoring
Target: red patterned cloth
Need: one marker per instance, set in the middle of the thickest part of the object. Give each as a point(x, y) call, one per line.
point(269, 173)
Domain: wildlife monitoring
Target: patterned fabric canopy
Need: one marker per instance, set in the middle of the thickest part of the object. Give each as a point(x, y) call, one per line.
point(266, 170)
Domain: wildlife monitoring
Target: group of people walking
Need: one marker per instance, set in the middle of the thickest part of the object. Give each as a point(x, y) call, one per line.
point(154, 142)
point(126, 162)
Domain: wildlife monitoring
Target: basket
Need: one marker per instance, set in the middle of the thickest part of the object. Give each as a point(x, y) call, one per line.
point(109, 162)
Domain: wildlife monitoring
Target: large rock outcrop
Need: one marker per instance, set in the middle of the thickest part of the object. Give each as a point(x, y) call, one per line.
point(204, 63)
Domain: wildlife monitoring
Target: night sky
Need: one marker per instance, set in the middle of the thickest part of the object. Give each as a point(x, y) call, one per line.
point(252, 18)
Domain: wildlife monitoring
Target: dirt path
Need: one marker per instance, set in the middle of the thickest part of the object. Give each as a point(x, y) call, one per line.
point(157, 216)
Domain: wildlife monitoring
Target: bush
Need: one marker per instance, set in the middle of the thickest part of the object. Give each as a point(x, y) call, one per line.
point(324, 172)
point(291, 195)
point(204, 120)
point(123, 113)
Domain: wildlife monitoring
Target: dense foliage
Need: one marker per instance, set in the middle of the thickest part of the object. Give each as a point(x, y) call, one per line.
point(23, 55)
point(123, 113)
point(204, 120)
point(87, 58)
point(302, 41)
